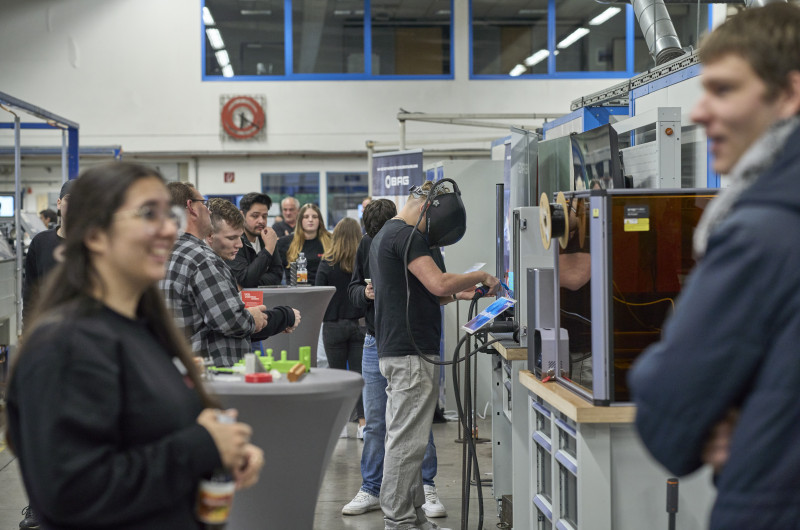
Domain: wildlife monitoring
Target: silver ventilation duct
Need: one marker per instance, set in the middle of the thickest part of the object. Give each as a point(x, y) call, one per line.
point(659, 32)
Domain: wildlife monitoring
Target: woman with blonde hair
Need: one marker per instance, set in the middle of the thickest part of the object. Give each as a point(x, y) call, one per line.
point(310, 237)
point(341, 334)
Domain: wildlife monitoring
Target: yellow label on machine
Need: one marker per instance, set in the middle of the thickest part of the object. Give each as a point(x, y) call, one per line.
point(637, 225)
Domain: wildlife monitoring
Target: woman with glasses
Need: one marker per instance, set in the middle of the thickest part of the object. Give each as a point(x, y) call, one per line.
point(106, 410)
point(310, 237)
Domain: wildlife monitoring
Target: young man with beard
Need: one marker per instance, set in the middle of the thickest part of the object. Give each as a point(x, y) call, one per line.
point(256, 263)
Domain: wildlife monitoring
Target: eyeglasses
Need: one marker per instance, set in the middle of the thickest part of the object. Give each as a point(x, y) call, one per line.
point(155, 215)
point(204, 201)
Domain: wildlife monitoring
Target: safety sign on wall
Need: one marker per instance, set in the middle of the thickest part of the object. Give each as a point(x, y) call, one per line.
point(243, 118)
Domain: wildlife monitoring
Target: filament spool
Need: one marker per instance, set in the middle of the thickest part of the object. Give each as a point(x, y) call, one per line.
point(552, 220)
point(544, 220)
point(581, 214)
point(560, 220)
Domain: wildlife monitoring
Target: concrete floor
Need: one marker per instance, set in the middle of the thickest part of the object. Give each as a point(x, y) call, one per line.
point(342, 481)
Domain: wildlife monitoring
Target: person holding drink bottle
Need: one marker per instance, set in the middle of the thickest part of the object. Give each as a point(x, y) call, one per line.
point(106, 410)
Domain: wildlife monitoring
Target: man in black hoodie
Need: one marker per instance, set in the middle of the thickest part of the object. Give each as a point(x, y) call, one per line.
point(41, 256)
point(256, 263)
point(723, 385)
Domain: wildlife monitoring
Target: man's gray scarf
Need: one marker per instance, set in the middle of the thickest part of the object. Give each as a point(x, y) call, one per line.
point(754, 162)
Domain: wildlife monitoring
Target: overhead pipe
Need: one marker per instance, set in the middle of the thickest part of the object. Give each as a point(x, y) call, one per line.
point(659, 32)
point(761, 3)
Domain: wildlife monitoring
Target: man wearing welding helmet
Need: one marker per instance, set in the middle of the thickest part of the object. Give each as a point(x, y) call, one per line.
point(408, 328)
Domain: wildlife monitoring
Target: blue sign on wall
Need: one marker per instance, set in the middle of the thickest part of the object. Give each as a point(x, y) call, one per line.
point(394, 173)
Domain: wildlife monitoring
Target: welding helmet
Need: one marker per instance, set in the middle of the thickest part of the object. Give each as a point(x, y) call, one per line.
point(445, 215)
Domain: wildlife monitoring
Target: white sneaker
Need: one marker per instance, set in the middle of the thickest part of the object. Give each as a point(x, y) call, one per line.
point(344, 432)
point(360, 432)
point(363, 502)
point(432, 507)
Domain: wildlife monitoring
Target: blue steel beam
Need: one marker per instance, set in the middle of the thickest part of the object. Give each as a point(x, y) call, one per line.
point(111, 150)
point(30, 126)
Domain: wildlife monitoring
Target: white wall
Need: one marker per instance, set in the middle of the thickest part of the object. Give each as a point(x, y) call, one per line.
point(129, 71)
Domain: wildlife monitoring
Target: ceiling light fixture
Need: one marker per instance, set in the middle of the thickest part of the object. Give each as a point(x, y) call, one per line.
point(208, 20)
point(215, 38)
point(536, 58)
point(517, 70)
point(256, 12)
point(573, 37)
point(604, 16)
point(227, 71)
point(222, 58)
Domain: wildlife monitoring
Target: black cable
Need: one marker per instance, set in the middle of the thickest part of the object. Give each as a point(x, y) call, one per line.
point(470, 453)
point(466, 421)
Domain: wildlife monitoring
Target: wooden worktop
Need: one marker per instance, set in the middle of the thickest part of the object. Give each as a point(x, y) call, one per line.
point(573, 406)
point(509, 350)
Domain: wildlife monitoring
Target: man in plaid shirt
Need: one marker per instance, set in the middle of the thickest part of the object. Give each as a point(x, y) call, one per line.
point(201, 291)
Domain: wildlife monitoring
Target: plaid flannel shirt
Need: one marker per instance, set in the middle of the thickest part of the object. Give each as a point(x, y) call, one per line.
point(201, 292)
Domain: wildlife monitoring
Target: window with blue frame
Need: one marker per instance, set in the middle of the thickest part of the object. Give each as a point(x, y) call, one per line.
point(346, 191)
point(232, 198)
point(302, 186)
point(567, 38)
point(346, 39)
point(590, 37)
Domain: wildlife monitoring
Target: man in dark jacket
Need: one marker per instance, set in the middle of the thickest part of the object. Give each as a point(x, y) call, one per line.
point(723, 385)
point(41, 257)
point(289, 210)
point(257, 263)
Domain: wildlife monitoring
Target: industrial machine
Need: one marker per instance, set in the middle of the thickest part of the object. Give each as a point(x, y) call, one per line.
point(617, 225)
point(620, 259)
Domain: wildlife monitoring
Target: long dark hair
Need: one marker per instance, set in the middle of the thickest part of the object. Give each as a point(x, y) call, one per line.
point(67, 290)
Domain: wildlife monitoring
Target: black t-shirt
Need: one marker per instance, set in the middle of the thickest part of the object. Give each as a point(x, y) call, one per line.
point(282, 229)
point(340, 306)
point(388, 280)
point(313, 251)
point(39, 260)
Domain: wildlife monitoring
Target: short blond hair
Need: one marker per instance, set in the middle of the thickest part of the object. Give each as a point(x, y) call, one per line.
point(224, 210)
